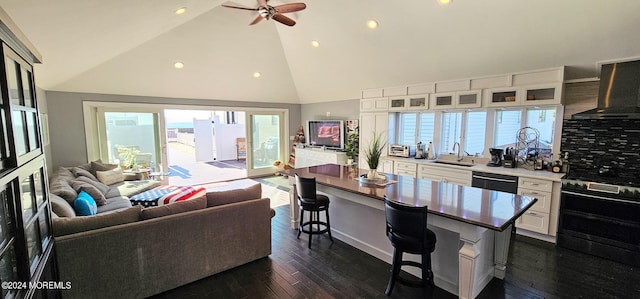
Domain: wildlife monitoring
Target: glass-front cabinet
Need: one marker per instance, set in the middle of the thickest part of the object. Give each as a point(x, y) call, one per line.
point(24, 113)
point(398, 103)
point(26, 244)
point(418, 102)
point(546, 94)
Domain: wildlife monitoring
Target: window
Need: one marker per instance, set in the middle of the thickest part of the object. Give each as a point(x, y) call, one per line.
point(475, 132)
point(544, 120)
point(408, 127)
point(451, 130)
point(427, 127)
point(507, 124)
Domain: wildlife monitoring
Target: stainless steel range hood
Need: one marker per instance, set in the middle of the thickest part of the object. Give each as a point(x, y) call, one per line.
point(619, 94)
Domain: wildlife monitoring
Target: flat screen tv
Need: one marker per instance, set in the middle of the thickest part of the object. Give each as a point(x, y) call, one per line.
point(329, 133)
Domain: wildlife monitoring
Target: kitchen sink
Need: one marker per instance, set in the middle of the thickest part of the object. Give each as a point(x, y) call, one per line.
point(466, 164)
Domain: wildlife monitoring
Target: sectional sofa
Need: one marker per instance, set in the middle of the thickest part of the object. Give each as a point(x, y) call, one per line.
point(135, 252)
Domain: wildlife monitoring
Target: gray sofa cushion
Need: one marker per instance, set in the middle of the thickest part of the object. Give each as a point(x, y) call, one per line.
point(217, 198)
point(81, 172)
point(102, 187)
point(99, 166)
point(110, 177)
point(62, 188)
point(61, 207)
point(130, 188)
point(174, 208)
point(114, 204)
point(72, 225)
point(97, 195)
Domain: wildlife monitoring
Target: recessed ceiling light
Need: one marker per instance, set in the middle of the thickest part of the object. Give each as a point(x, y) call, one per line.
point(373, 24)
point(178, 65)
point(444, 2)
point(180, 10)
point(315, 43)
point(257, 75)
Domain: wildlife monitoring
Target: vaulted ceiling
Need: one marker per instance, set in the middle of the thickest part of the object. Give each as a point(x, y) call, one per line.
point(129, 47)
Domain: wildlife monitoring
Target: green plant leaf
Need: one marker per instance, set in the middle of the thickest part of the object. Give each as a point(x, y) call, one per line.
point(374, 150)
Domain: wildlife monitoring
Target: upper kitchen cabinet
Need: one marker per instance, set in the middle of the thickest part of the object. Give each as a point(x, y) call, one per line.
point(374, 104)
point(502, 97)
point(418, 102)
point(458, 99)
point(542, 94)
point(18, 93)
point(545, 94)
point(398, 103)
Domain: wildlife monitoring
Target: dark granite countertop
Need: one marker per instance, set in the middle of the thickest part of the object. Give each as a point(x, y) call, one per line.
point(486, 208)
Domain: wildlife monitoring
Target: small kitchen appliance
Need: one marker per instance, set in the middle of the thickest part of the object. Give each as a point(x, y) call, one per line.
point(419, 151)
point(398, 150)
point(496, 157)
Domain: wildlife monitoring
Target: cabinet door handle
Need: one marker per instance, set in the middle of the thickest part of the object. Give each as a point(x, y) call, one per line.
point(532, 213)
point(535, 184)
point(534, 192)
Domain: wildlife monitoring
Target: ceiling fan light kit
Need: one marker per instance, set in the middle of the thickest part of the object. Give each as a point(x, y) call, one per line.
point(268, 12)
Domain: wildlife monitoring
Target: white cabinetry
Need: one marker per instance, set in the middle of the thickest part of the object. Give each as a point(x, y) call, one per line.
point(405, 168)
point(545, 94)
point(537, 218)
point(374, 104)
point(385, 166)
point(444, 174)
point(458, 99)
point(306, 157)
point(398, 103)
point(418, 102)
point(370, 124)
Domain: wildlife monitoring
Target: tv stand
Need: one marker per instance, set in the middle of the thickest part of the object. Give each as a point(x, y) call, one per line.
point(306, 157)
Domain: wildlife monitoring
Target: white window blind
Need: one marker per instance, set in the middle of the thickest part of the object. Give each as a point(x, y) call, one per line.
point(475, 132)
point(427, 127)
point(408, 127)
point(451, 130)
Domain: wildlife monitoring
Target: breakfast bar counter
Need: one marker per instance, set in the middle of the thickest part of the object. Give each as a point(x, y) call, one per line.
point(472, 225)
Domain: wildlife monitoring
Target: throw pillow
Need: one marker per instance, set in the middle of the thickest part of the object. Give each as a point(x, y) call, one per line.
point(84, 205)
point(65, 225)
point(174, 208)
point(62, 188)
point(102, 187)
point(61, 207)
point(99, 166)
point(95, 193)
point(110, 177)
point(80, 172)
point(217, 198)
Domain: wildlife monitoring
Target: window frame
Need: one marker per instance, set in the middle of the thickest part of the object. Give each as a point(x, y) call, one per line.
point(395, 125)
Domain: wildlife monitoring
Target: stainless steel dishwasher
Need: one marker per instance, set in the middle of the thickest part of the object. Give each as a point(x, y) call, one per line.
point(494, 181)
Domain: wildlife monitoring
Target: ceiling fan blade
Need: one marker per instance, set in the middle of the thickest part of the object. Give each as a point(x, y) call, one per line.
point(283, 19)
point(239, 7)
point(291, 7)
point(258, 19)
point(262, 3)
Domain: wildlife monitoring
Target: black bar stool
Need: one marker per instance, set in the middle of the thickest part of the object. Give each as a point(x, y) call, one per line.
point(407, 230)
point(314, 203)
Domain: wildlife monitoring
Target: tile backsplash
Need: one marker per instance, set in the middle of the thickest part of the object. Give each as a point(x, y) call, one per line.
point(592, 143)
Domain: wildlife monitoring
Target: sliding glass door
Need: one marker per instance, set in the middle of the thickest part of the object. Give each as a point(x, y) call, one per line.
point(132, 138)
point(266, 142)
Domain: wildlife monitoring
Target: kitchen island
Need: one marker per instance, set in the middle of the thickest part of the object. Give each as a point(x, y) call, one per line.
point(472, 225)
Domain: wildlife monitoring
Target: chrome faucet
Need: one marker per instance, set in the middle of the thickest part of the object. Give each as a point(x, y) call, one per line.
point(459, 150)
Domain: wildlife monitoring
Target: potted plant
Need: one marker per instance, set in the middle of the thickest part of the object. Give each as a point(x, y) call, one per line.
point(372, 154)
point(352, 146)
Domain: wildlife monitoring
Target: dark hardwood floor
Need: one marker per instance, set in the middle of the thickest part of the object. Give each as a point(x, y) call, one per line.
point(536, 269)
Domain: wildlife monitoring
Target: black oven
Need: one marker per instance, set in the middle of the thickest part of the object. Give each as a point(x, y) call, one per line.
point(600, 219)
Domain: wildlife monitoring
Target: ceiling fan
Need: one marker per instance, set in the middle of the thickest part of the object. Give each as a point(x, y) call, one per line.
point(266, 11)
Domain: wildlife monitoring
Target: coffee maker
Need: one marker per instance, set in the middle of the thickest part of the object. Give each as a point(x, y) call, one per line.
point(496, 157)
point(419, 151)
